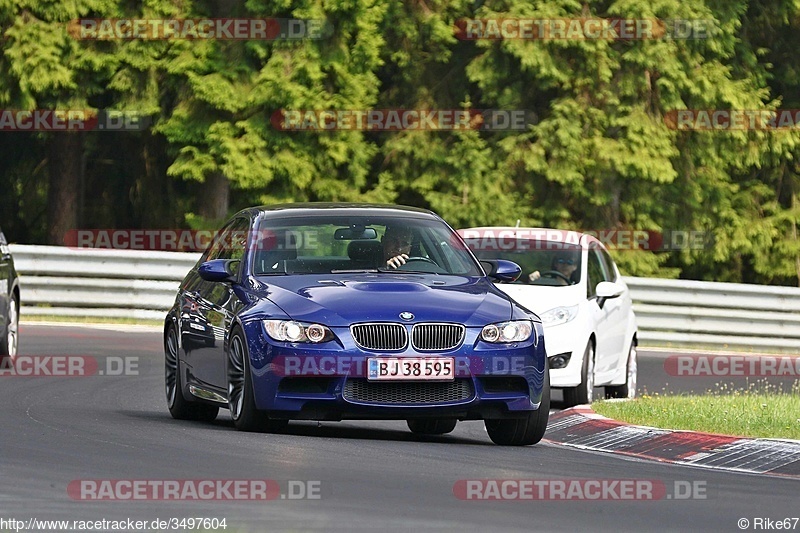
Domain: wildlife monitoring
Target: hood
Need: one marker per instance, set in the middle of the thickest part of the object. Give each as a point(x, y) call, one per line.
point(337, 300)
point(543, 298)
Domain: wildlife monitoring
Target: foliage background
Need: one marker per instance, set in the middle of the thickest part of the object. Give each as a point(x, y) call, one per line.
point(600, 155)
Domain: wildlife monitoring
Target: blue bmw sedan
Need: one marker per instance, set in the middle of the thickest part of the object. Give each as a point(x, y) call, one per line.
point(353, 311)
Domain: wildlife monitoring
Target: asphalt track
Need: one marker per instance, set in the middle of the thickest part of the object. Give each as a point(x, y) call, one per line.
point(372, 475)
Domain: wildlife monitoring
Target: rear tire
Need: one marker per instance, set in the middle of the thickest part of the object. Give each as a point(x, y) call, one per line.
point(627, 389)
point(583, 393)
point(241, 397)
point(179, 407)
point(523, 431)
point(432, 426)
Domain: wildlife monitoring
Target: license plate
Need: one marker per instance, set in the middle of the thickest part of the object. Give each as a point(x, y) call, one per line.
point(411, 368)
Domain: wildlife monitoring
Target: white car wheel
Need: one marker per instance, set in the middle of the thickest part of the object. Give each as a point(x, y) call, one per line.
point(583, 393)
point(628, 389)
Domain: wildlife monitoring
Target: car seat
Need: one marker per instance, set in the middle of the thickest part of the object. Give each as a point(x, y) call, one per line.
point(365, 254)
point(273, 261)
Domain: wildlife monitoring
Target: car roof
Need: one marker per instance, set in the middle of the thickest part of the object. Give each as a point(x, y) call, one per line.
point(302, 209)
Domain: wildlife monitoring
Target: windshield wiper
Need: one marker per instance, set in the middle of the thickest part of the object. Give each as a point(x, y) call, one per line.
point(404, 271)
point(356, 271)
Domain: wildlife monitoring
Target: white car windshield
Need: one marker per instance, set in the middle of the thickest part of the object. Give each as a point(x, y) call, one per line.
point(543, 262)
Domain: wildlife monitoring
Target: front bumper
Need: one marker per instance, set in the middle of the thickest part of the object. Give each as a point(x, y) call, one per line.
point(566, 339)
point(328, 381)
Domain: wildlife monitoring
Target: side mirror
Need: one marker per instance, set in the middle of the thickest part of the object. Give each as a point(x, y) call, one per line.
point(502, 270)
point(219, 270)
point(609, 289)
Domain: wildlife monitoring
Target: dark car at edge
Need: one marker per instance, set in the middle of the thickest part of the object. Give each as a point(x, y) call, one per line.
point(9, 301)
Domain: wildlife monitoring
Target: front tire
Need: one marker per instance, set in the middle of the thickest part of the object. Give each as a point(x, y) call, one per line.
point(583, 393)
point(523, 431)
point(432, 426)
point(179, 407)
point(627, 389)
point(241, 398)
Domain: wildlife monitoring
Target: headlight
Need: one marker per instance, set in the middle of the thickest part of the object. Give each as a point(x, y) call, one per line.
point(515, 331)
point(291, 331)
point(559, 315)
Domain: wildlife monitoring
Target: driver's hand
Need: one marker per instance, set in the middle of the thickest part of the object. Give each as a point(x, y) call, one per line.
point(533, 276)
point(397, 261)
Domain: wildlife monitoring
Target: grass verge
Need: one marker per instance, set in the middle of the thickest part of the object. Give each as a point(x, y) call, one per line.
point(759, 411)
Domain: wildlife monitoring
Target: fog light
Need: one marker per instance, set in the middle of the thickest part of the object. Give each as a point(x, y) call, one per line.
point(559, 361)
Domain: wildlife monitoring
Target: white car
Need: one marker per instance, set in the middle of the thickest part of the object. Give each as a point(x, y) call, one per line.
point(570, 281)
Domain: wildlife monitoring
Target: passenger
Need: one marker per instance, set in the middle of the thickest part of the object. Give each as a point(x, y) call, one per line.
point(565, 263)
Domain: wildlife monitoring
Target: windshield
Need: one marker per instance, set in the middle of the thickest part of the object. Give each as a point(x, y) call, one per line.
point(542, 262)
point(341, 244)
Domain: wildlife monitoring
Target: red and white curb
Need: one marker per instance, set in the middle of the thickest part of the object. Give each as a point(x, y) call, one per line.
point(580, 427)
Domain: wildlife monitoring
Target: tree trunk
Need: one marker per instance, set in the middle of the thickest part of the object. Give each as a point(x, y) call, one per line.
point(154, 196)
point(64, 155)
point(213, 201)
point(794, 236)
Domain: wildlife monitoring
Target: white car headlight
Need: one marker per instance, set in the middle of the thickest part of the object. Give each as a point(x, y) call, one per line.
point(559, 315)
point(292, 331)
point(514, 331)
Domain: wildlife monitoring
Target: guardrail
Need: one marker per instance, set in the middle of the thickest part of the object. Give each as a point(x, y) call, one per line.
point(58, 281)
point(764, 318)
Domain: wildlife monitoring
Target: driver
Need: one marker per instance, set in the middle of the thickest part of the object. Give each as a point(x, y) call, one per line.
point(396, 245)
point(565, 263)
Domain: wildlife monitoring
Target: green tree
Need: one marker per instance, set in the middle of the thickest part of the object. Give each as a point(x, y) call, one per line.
point(225, 94)
point(603, 143)
point(43, 67)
